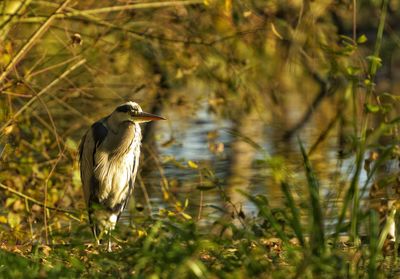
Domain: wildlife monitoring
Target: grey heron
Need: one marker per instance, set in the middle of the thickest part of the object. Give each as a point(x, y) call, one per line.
point(109, 158)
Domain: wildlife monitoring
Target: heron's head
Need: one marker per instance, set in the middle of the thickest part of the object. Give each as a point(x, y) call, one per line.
point(132, 112)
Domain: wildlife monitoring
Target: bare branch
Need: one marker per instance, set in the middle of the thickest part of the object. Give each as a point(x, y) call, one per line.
point(44, 90)
point(32, 40)
point(19, 194)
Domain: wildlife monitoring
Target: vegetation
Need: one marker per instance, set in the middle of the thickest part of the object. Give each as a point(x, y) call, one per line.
point(279, 159)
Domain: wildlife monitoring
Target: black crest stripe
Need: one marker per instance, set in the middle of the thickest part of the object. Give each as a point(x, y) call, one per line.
point(124, 108)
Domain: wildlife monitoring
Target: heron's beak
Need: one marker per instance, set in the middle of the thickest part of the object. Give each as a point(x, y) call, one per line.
point(145, 117)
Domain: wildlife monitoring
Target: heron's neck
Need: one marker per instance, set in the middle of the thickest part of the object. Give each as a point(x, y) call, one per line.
point(121, 135)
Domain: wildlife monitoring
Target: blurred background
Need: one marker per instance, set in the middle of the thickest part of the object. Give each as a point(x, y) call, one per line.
point(240, 82)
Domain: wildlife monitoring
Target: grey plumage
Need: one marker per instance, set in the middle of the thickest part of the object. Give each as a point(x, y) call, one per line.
point(109, 158)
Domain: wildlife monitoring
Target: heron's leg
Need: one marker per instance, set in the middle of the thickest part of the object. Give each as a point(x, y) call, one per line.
point(109, 242)
point(391, 220)
point(99, 237)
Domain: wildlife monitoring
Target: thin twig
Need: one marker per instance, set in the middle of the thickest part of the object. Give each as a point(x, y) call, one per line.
point(164, 180)
point(2, 149)
point(46, 183)
point(134, 7)
point(146, 36)
point(32, 40)
point(53, 125)
point(201, 206)
point(201, 198)
point(145, 194)
point(41, 121)
point(16, 94)
point(354, 20)
point(325, 133)
point(30, 75)
point(119, 8)
point(44, 90)
point(26, 143)
point(17, 193)
point(12, 17)
point(71, 109)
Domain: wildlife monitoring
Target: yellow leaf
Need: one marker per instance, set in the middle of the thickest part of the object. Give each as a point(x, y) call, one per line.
point(3, 219)
point(46, 250)
point(141, 233)
point(186, 216)
point(247, 13)
point(170, 214)
point(228, 7)
point(10, 201)
point(71, 144)
point(178, 206)
point(8, 130)
point(276, 31)
point(192, 164)
point(13, 219)
point(165, 195)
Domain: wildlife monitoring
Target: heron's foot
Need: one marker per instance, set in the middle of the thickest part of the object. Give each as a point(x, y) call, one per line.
point(109, 244)
point(99, 237)
point(117, 240)
point(91, 245)
point(96, 243)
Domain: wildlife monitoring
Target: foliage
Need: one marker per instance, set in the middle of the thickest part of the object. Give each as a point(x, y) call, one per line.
point(64, 64)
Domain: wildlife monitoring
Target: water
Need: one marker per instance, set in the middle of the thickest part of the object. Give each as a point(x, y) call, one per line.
point(240, 166)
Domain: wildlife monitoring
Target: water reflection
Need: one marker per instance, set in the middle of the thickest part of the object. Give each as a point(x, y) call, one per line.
point(236, 168)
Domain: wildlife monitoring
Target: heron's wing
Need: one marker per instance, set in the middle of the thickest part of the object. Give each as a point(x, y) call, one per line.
point(86, 163)
point(134, 170)
point(136, 157)
point(133, 176)
point(87, 149)
point(99, 132)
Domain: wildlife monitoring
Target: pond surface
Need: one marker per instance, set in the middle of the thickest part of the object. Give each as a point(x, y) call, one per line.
point(229, 152)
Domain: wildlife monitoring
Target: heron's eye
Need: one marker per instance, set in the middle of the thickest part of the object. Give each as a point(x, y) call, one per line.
point(135, 110)
point(124, 108)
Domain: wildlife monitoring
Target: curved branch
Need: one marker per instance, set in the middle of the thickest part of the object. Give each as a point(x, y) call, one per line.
point(19, 194)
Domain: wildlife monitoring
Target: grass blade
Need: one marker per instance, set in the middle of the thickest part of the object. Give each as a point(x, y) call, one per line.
point(317, 233)
point(295, 220)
